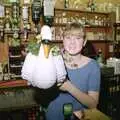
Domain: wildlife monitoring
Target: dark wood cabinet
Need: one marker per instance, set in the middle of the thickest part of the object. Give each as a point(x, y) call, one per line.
point(116, 42)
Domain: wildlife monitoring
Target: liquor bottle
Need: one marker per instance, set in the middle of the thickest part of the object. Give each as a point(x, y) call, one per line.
point(2, 10)
point(66, 4)
point(15, 24)
point(2, 15)
point(48, 12)
point(15, 16)
point(25, 13)
point(91, 5)
point(25, 19)
point(6, 75)
point(1, 71)
point(15, 9)
point(36, 13)
point(68, 111)
point(1, 30)
point(8, 22)
point(25, 16)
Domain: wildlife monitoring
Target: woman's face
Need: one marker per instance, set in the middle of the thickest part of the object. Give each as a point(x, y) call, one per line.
point(73, 42)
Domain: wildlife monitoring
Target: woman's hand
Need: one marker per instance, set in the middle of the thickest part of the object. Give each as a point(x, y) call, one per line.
point(66, 86)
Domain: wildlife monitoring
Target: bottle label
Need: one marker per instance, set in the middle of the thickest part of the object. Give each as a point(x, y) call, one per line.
point(48, 8)
point(25, 12)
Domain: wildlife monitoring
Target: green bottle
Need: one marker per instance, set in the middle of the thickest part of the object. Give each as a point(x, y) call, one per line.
point(68, 111)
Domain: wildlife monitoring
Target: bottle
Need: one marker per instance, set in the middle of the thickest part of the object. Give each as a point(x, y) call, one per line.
point(1, 30)
point(91, 5)
point(66, 4)
point(68, 111)
point(2, 15)
point(36, 13)
point(26, 24)
point(25, 13)
point(15, 9)
point(15, 16)
point(48, 12)
point(100, 58)
point(8, 22)
point(1, 71)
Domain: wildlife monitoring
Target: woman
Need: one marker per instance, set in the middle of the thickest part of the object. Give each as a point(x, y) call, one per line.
point(81, 89)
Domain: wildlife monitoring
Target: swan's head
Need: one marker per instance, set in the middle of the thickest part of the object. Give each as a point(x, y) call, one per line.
point(46, 35)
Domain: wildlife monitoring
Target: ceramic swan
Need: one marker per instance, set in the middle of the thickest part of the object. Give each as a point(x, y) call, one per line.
point(43, 71)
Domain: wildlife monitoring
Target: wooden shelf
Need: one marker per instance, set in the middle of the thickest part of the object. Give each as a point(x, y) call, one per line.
point(101, 41)
point(98, 41)
point(86, 26)
point(80, 11)
point(20, 32)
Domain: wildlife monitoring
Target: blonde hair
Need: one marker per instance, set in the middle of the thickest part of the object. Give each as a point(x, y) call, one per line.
point(75, 26)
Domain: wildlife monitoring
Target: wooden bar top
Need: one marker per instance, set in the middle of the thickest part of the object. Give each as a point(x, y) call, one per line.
point(91, 114)
point(13, 83)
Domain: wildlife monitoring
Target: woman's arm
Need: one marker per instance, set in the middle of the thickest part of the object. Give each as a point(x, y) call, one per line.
point(89, 99)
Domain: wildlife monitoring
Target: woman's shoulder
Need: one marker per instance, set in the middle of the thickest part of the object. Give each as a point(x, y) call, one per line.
point(92, 62)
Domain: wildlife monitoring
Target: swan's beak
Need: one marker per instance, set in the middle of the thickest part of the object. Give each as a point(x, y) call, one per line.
point(46, 48)
point(46, 38)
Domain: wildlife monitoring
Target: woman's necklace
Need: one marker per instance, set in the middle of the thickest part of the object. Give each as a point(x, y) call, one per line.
point(74, 65)
point(70, 61)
